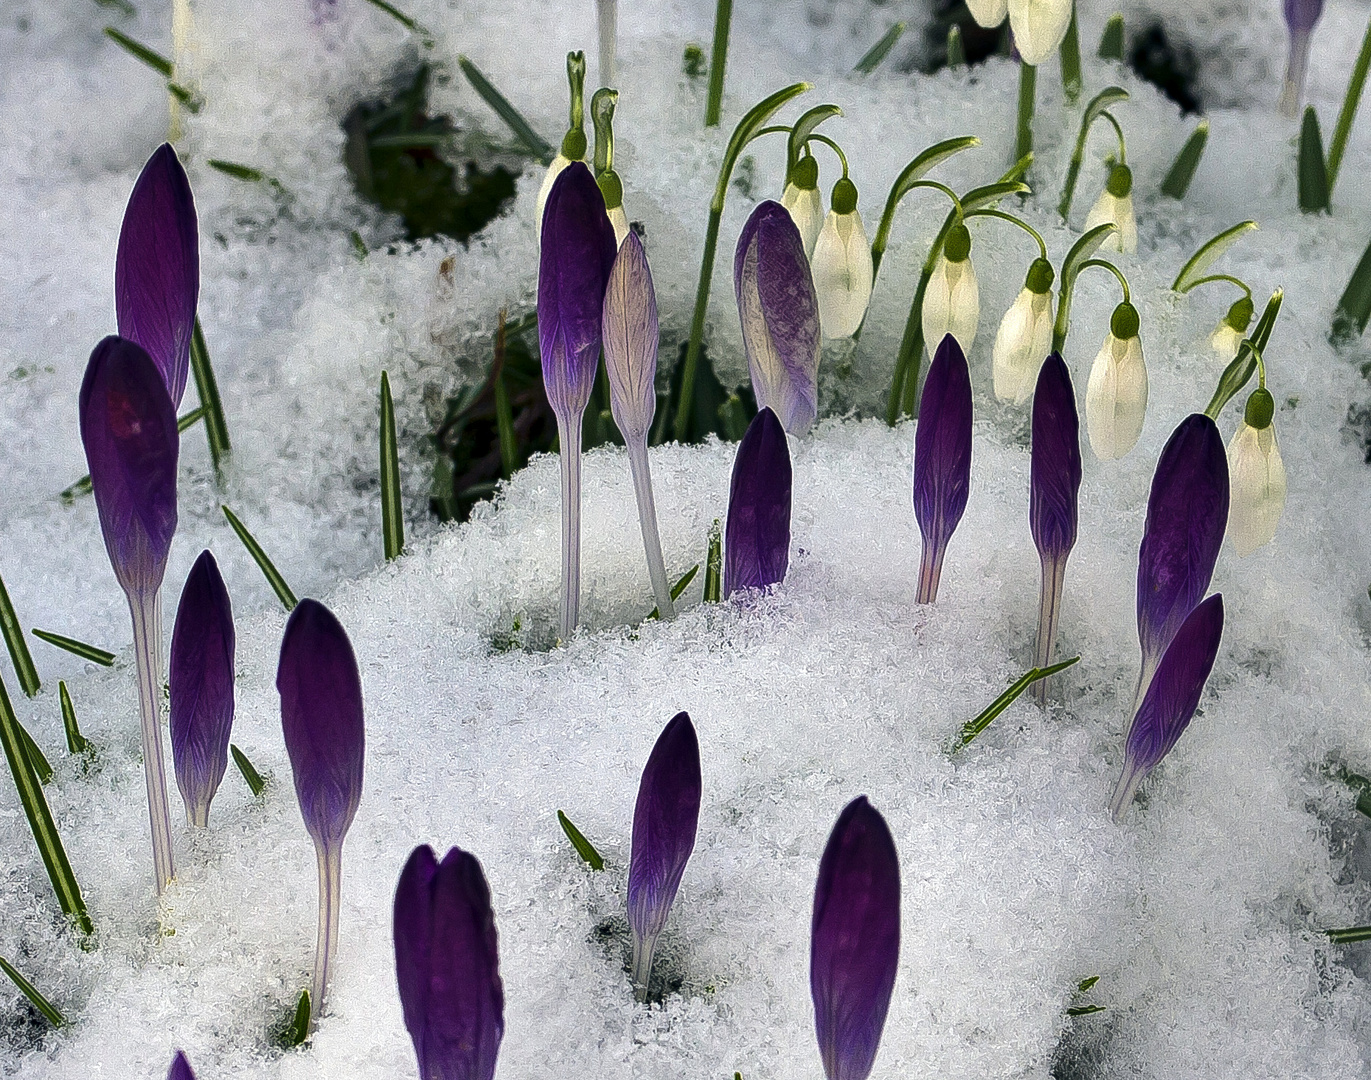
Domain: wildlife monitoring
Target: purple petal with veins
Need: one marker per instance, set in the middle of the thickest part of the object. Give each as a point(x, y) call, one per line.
point(757, 536)
point(942, 459)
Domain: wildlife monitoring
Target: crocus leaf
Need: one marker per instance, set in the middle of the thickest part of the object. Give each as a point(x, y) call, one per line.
point(584, 847)
point(1055, 469)
point(78, 648)
point(17, 646)
point(757, 540)
point(1187, 162)
point(37, 1000)
point(1313, 172)
point(251, 776)
point(878, 52)
point(392, 510)
point(76, 742)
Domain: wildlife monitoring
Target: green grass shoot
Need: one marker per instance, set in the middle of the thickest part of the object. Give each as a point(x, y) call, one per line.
point(216, 428)
point(78, 648)
point(17, 646)
point(678, 588)
point(392, 509)
point(37, 1000)
point(250, 775)
point(974, 727)
point(523, 130)
point(584, 847)
point(878, 52)
point(268, 568)
point(76, 742)
point(1183, 169)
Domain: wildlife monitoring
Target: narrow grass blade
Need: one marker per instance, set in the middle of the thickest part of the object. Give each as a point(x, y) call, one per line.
point(37, 760)
point(139, 51)
point(878, 52)
point(1084, 1010)
point(956, 48)
point(584, 847)
point(1183, 169)
point(1086, 984)
point(80, 648)
point(537, 145)
point(76, 742)
point(1208, 254)
point(1354, 308)
point(1070, 53)
point(17, 646)
point(37, 1000)
point(40, 818)
point(718, 62)
point(1313, 172)
point(410, 24)
point(297, 1031)
point(1349, 934)
point(187, 97)
point(392, 510)
point(216, 428)
point(268, 568)
point(972, 728)
point(714, 564)
point(678, 588)
point(250, 775)
point(1355, 85)
point(1111, 41)
point(238, 172)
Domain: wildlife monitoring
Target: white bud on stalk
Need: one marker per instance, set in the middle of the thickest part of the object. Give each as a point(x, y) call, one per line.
point(1025, 336)
point(1116, 395)
point(1115, 207)
point(1039, 26)
point(1256, 477)
point(952, 301)
point(841, 265)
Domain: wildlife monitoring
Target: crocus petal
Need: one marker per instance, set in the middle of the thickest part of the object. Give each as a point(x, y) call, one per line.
point(757, 536)
point(1187, 510)
point(806, 206)
point(128, 427)
point(842, 271)
point(1171, 698)
point(180, 1068)
point(1257, 475)
point(1115, 210)
point(578, 250)
point(1302, 15)
point(942, 446)
point(321, 718)
point(201, 681)
point(630, 340)
point(157, 267)
point(952, 303)
point(1022, 342)
point(447, 965)
point(988, 13)
point(1055, 469)
point(854, 940)
point(554, 170)
point(780, 316)
point(1116, 398)
point(1039, 26)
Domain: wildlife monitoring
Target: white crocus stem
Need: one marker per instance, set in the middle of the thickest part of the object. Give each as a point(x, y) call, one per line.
point(1115, 207)
point(841, 265)
point(554, 170)
point(147, 651)
point(569, 442)
point(647, 521)
point(1256, 477)
point(609, 39)
point(1039, 26)
point(1024, 338)
point(326, 944)
point(1295, 66)
point(988, 13)
point(806, 206)
point(1116, 396)
point(952, 301)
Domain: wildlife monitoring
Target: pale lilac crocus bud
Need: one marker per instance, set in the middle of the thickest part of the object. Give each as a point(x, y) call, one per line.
point(1301, 16)
point(757, 536)
point(779, 311)
point(942, 460)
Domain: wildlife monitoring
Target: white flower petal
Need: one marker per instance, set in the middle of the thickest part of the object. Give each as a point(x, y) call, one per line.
point(1112, 210)
point(1256, 479)
point(806, 206)
point(952, 304)
point(1039, 26)
point(1116, 398)
point(988, 13)
point(842, 274)
point(1021, 345)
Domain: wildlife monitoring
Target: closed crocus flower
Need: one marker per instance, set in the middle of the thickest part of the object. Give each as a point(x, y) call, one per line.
point(1228, 336)
point(1116, 396)
point(1025, 336)
point(988, 13)
point(779, 312)
point(1053, 495)
point(952, 301)
point(1115, 207)
point(942, 460)
point(180, 1068)
point(842, 265)
point(757, 536)
point(804, 201)
point(1039, 26)
point(1256, 476)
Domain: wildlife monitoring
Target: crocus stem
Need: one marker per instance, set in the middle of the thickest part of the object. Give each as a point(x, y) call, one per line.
point(147, 645)
point(609, 38)
point(642, 966)
point(1028, 88)
point(1123, 793)
point(697, 325)
point(330, 897)
point(1348, 113)
point(1049, 612)
point(930, 570)
point(718, 58)
point(569, 439)
point(647, 519)
point(1294, 74)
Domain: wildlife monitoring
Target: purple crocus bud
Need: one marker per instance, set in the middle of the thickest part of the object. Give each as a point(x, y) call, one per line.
point(855, 940)
point(1053, 486)
point(180, 1068)
point(942, 459)
point(157, 267)
point(757, 537)
point(447, 965)
point(664, 822)
point(128, 427)
point(1187, 512)
point(321, 718)
point(1171, 698)
point(202, 653)
point(779, 310)
point(1300, 18)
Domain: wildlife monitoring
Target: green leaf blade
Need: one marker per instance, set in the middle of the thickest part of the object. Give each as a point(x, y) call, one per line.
point(37, 1000)
point(77, 648)
point(539, 147)
point(714, 565)
point(1112, 40)
point(17, 646)
point(1313, 171)
point(268, 568)
point(251, 776)
point(141, 52)
point(1354, 306)
point(76, 742)
point(878, 52)
point(584, 847)
point(978, 724)
point(1208, 254)
point(1187, 162)
point(392, 510)
point(207, 386)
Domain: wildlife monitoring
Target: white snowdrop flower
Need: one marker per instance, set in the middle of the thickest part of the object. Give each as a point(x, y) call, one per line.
point(952, 301)
point(1116, 396)
point(841, 265)
point(1256, 476)
point(619, 220)
point(802, 198)
point(1228, 336)
point(1025, 336)
point(988, 13)
point(1115, 207)
point(1039, 26)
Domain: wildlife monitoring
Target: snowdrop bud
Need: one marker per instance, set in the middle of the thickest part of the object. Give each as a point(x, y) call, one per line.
point(988, 13)
point(1228, 335)
point(952, 302)
point(1116, 396)
point(573, 142)
point(802, 199)
point(1039, 26)
point(1256, 476)
point(1115, 206)
point(842, 265)
point(1025, 336)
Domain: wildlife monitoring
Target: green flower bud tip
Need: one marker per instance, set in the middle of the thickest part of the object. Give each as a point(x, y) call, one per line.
point(1261, 407)
point(1124, 323)
point(805, 174)
point(1120, 181)
point(612, 188)
point(574, 145)
point(1239, 316)
point(958, 245)
point(844, 196)
point(1040, 277)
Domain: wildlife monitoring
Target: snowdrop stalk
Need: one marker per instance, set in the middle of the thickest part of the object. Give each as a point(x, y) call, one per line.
point(577, 253)
point(1171, 698)
point(1116, 396)
point(447, 965)
point(942, 460)
point(757, 536)
point(854, 940)
point(1301, 16)
point(325, 736)
point(630, 343)
point(1256, 472)
point(202, 655)
point(573, 142)
point(664, 824)
point(128, 428)
point(602, 107)
point(608, 11)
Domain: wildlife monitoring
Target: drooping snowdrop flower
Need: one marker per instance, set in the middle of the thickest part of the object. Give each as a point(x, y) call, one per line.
point(988, 13)
point(201, 684)
point(1115, 207)
point(447, 965)
point(1171, 698)
point(1256, 475)
point(180, 1068)
point(842, 265)
point(664, 823)
point(1301, 16)
point(779, 312)
point(942, 460)
point(1025, 336)
point(1228, 336)
point(757, 536)
point(1116, 396)
point(952, 301)
point(854, 948)
point(1039, 26)
point(574, 142)
point(804, 201)
point(1053, 491)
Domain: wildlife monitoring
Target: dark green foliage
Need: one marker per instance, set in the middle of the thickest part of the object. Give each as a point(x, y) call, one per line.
point(1354, 308)
point(1313, 173)
point(1169, 66)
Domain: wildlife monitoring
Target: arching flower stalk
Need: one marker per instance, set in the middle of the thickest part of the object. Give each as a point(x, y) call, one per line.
point(757, 536)
point(842, 264)
point(802, 198)
point(942, 460)
point(574, 142)
point(602, 107)
point(952, 301)
point(1256, 472)
point(1116, 396)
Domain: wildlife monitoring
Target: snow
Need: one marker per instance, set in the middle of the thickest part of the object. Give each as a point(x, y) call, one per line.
point(1202, 914)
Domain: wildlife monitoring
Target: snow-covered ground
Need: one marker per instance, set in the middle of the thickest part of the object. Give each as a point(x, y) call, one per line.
point(1201, 913)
